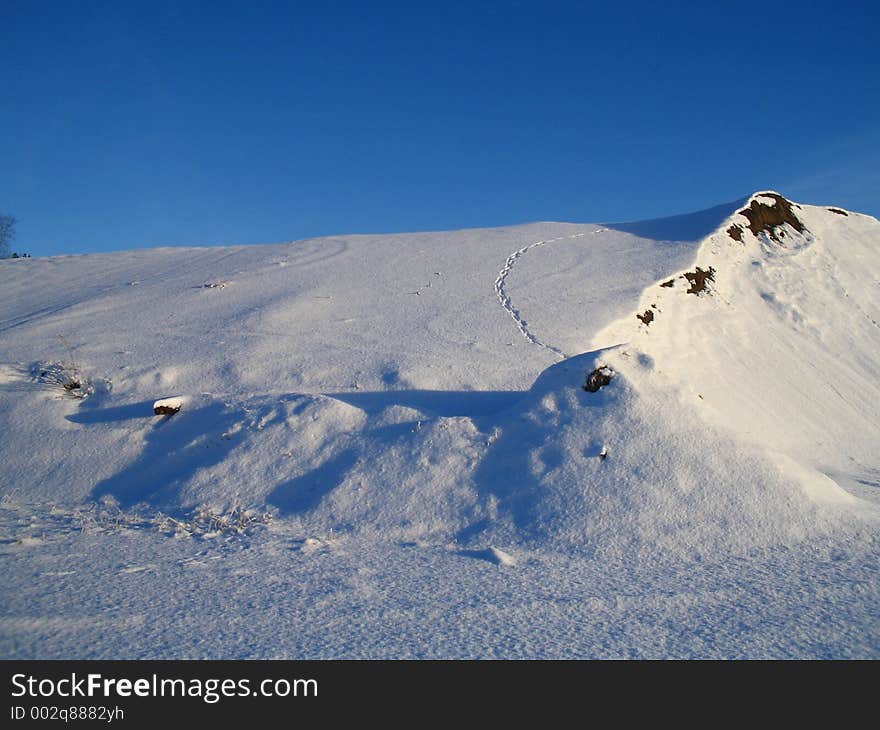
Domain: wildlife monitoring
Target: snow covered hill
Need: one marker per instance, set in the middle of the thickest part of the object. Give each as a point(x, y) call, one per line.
point(377, 416)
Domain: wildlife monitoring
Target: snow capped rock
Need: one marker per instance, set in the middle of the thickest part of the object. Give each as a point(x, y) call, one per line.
point(168, 406)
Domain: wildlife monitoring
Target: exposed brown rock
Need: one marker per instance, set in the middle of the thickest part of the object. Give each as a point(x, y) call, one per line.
point(766, 218)
point(838, 211)
point(166, 410)
point(698, 278)
point(646, 318)
point(599, 378)
point(735, 232)
point(669, 283)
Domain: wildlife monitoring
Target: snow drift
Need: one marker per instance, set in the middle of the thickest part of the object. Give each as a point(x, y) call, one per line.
point(646, 439)
point(745, 392)
point(374, 386)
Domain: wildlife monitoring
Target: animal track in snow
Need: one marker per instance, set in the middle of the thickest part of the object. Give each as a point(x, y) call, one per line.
point(504, 297)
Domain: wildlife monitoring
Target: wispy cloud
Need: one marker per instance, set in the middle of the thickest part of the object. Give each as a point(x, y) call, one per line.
point(844, 172)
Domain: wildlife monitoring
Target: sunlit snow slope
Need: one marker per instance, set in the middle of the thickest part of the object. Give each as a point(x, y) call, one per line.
point(379, 321)
point(743, 407)
point(376, 383)
point(428, 390)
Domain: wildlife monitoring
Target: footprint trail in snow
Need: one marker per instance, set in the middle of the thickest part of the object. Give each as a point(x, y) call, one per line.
point(504, 297)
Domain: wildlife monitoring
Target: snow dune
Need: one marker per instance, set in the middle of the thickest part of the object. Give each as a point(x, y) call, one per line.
point(422, 394)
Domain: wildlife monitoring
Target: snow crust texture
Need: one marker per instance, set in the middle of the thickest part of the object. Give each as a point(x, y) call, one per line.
point(355, 420)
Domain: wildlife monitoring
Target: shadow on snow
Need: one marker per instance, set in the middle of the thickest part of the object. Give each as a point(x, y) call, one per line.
point(687, 227)
point(444, 403)
point(177, 448)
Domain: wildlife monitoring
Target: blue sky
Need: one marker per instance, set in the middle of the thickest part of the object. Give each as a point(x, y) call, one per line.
point(129, 124)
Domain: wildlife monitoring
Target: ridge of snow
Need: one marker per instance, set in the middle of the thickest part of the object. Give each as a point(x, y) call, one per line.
point(363, 406)
point(779, 349)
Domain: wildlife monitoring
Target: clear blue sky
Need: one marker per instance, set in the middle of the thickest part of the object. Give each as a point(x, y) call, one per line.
point(129, 124)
